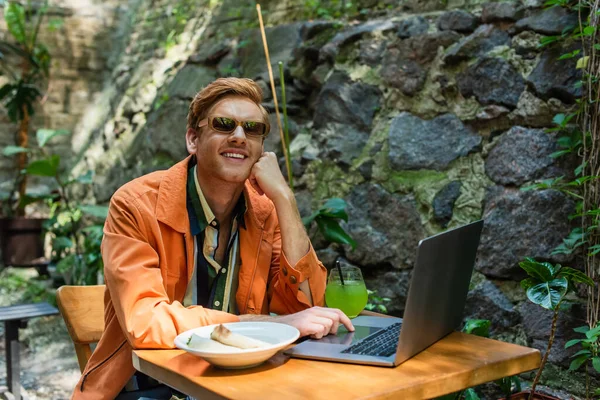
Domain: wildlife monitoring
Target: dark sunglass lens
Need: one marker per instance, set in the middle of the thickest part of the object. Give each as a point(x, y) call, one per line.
point(254, 128)
point(223, 124)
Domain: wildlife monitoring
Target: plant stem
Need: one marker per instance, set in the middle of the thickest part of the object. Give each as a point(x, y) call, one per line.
point(547, 353)
point(22, 141)
point(288, 160)
point(274, 92)
point(587, 382)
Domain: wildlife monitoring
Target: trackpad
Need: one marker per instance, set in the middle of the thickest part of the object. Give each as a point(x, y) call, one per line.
point(344, 337)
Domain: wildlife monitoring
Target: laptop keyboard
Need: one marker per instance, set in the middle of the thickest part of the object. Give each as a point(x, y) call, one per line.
point(382, 343)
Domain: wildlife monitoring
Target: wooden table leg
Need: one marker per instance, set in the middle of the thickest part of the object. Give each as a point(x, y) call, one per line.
point(11, 333)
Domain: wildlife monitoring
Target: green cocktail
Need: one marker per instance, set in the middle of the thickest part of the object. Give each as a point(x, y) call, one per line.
point(351, 297)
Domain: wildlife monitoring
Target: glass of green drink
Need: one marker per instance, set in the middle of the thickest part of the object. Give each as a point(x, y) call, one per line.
point(350, 297)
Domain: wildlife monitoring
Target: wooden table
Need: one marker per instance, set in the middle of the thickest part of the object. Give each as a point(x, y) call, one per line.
point(456, 362)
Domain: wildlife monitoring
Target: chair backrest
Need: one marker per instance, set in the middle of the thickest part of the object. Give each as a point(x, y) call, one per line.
point(82, 308)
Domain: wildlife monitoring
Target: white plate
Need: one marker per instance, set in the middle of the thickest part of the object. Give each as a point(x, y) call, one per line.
point(277, 335)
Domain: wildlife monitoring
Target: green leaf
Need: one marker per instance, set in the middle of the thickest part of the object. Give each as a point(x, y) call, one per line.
point(62, 242)
point(335, 208)
point(66, 264)
point(6, 90)
point(569, 55)
point(333, 232)
point(578, 362)
point(593, 250)
point(43, 135)
point(14, 15)
point(589, 30)
point(87, 178)
point(546, 40)
point(596, 363)
point(529, 282)
point(548, 294)
point(306, 221)
point(12, 150)
point(470, 394)
point(575, 240)
point(541, 271)
point(572, 343)
point(582, 329)
point(479, 327)
point(582, 62)
point(559, 119)
point(55, 24)
point(95, 211)
point(47, 167)
point(593, 333)
point(382, 308)
point(576, 276)
point(559, 153)
point(581, 353)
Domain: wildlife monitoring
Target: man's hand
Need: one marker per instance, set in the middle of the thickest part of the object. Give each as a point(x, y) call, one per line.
point(267, 179)
point(317, 321)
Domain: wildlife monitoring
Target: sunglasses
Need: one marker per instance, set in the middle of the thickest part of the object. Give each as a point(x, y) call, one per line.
point(228, 125)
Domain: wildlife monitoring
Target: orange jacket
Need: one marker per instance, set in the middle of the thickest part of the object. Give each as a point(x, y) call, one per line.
point(148, 262)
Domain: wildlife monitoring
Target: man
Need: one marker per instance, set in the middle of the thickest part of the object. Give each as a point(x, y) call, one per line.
point(216, 236)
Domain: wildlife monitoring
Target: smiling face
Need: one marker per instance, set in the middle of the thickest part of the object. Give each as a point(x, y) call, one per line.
point(226, 157)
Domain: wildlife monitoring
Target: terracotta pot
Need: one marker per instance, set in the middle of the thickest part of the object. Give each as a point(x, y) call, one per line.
point(525, 395)
point(22, 241)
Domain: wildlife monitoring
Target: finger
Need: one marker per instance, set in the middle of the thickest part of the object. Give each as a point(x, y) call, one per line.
point(327, 324)
point(254, 183)
point(334, 327)
point(316, 331)
point(331, 314)
point(343, 319)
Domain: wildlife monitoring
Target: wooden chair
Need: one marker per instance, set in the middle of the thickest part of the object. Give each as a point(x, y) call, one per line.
point(82, 308)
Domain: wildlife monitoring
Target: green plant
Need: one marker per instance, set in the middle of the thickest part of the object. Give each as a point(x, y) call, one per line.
point(173, 22)
point(580, 135)
point(547, 287)
point(590, 344)
point(376, 302)
point(76, 235)
point(17, 287)
point(26, 64)
point(328, 219)
point(328, 9)
point(75, 228)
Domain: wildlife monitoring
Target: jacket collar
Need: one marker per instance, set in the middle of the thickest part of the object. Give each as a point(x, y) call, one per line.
point(171, 208)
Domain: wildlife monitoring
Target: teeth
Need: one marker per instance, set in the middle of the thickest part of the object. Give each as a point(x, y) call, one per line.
point(234, 155)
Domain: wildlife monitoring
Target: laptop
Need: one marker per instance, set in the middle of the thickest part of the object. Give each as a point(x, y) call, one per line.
point(434, 307)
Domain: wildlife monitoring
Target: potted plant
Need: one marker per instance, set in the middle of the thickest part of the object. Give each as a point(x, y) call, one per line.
point(74, 228)
point(25, 63)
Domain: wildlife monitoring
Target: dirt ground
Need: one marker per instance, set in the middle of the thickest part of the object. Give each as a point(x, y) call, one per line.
point(49, 368)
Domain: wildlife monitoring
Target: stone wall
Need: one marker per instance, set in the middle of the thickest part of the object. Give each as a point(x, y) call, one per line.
point(83, 38)
point(422, 115)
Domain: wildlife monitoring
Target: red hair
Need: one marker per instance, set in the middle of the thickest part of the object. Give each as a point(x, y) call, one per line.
point(219, 89)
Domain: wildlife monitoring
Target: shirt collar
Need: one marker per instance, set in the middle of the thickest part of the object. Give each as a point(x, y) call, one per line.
point(199, 212)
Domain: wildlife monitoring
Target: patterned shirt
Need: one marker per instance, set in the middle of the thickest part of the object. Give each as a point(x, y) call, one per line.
point(212, 285)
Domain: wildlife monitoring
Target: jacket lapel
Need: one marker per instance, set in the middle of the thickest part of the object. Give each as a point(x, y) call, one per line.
point(171, 207)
